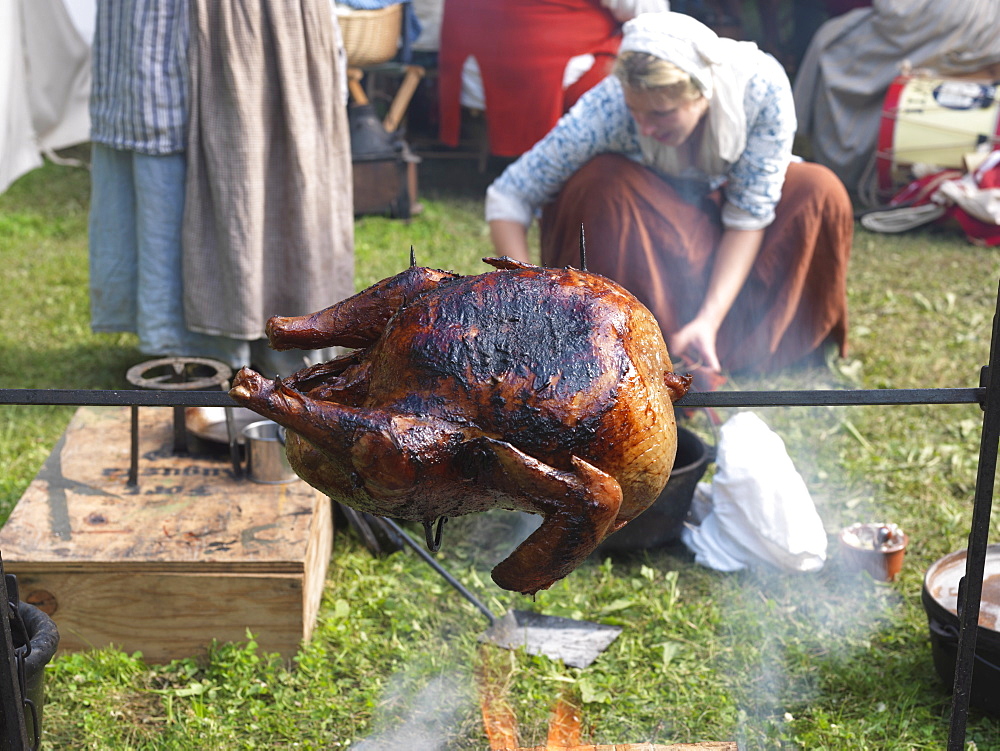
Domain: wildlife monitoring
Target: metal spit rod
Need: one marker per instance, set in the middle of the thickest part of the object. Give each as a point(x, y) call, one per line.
point(800, 398)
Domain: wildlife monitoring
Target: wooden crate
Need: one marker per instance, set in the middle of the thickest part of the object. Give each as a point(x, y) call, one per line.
point(190, 555)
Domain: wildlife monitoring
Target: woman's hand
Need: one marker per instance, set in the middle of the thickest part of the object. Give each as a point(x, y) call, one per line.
point(695, 342)
point(733, 260)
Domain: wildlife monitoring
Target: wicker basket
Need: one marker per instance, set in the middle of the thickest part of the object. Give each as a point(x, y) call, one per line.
point(371, 36)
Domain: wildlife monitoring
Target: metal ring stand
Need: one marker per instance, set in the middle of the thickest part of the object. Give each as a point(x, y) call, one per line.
point(180, 374)
point(986, 395)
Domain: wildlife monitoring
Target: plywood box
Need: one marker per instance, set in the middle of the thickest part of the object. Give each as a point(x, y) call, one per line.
point(191, 554)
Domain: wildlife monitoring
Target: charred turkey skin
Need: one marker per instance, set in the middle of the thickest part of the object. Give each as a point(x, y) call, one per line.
point(542, 390)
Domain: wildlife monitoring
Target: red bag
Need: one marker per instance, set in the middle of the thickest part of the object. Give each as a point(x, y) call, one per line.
point(969, 199)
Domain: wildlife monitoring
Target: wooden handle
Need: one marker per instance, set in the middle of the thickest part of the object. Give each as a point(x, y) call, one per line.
point(354, 76)
point(402, 99)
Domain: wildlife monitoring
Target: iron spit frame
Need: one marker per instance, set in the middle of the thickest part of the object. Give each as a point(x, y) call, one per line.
point(986, 395)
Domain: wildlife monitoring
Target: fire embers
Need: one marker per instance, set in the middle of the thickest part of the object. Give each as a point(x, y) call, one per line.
point(539, 390)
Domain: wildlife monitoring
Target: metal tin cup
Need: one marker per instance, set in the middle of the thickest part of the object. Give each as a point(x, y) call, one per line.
point(265, 448)
point(875, 547)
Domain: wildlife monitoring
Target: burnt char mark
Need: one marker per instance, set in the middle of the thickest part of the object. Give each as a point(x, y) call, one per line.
point(541, 358)
point(423, 403)
point(526, 324)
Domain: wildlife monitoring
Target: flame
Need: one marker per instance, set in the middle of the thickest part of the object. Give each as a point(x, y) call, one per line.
point(564, 726)
point(494, 674)
point(493, 678)
point(500, 725)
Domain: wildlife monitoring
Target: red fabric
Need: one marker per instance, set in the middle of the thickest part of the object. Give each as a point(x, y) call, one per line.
point(920, 192)
point(522, 47)
point(976, 230)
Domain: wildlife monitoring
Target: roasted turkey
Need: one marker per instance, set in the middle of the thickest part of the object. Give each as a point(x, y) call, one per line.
point(524, 388)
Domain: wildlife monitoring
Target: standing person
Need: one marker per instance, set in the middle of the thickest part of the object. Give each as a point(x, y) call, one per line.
point(269, 216)
point(216, 206)
point(679, 166)
point(138, 115)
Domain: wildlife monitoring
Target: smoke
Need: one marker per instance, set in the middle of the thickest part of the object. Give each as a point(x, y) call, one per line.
point(428, 718)
point(487, 538)
point(783, 626)
point(428, 721)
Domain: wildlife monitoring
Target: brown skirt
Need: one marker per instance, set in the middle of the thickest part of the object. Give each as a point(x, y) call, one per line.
point(644, 235)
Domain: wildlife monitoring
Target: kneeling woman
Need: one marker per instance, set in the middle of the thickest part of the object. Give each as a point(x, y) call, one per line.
point(679, 166)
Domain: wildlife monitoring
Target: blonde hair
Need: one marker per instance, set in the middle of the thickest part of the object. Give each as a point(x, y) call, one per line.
point(641, 71)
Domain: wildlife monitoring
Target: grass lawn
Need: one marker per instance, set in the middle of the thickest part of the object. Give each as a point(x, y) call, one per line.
point(831, 660)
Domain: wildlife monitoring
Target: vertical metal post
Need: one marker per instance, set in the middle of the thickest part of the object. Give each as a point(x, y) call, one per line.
point(180, 432)
point(234, 446)
point(133, 464)
point(13, 729)
point(970, 590)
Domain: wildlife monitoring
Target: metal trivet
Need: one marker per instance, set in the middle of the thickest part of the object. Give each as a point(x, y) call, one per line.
point(180, 374)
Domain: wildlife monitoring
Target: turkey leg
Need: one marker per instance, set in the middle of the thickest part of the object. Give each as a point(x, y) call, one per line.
point(357, 321)
point(578, 509)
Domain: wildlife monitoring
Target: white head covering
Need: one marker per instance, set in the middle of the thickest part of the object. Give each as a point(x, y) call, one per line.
point(719, 67)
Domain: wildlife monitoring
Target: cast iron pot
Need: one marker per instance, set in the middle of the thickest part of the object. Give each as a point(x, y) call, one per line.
point(661, 523)
point(43, 636)
point(940, 596)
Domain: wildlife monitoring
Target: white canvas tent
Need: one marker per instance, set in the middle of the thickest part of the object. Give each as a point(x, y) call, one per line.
point(44, 80)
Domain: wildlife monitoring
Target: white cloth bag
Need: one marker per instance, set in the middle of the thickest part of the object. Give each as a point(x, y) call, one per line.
point(759, 508)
